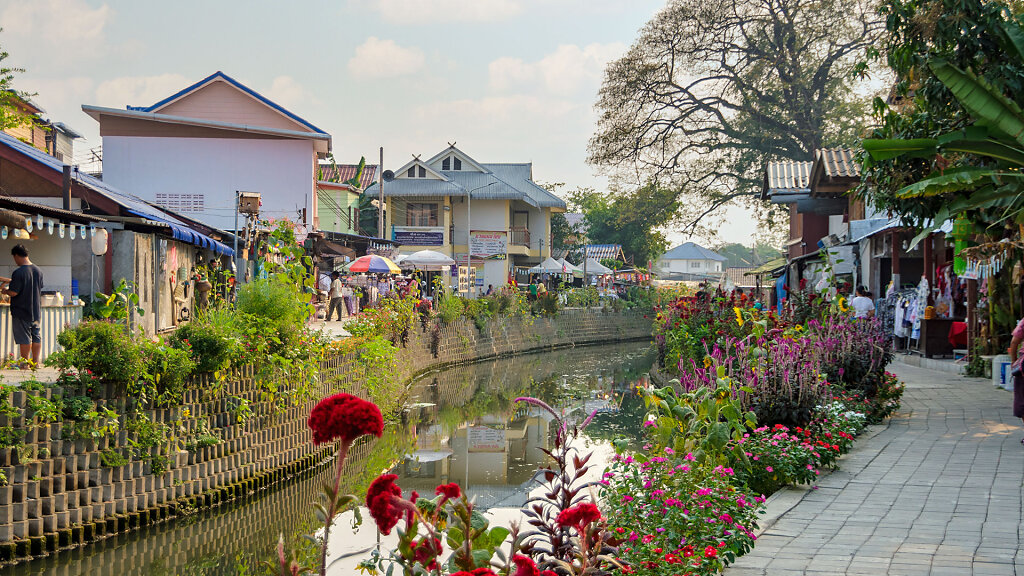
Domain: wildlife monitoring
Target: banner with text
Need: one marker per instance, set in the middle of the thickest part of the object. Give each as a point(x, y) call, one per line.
point(486, 245)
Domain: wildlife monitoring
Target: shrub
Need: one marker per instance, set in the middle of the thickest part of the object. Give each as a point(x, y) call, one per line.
point(210, 339)
point(450, 308)
point(111, 458)
point(169, 370)
point(105, 349)
point(277, 300)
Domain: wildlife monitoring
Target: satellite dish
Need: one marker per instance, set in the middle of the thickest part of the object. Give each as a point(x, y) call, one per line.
point(388, 175)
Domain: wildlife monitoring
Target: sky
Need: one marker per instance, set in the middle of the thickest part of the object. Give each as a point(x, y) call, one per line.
point(506, 80)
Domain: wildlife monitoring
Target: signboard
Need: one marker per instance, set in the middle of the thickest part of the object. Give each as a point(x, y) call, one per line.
point(463, 279)
point(484, 439)
point(419, 236)
point(486, 245)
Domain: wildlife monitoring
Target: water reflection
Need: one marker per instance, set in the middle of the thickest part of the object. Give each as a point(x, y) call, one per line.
point(460, 426)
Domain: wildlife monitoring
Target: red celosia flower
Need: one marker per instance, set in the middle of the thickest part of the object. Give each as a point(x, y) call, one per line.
point(345, 417)
point(578, 516)
point(449, 491)
point(524, 566)
point(426, 551)
point(379, 499)
point(477, 572)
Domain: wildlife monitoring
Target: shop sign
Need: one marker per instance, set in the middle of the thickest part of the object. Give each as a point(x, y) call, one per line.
point(485, 245)
point(419, 236)
point(486, 439)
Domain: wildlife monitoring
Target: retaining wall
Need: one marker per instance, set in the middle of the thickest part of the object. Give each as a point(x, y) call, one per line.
point(60, 495)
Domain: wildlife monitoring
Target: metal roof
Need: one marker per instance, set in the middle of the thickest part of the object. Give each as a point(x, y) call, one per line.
point(692, 251)
point(413, 187)
point(218, 75)
point(520, 176)
point(32, 208)
point(788, 176)
point(344, 172)
point(604, 251)
point(838, 162)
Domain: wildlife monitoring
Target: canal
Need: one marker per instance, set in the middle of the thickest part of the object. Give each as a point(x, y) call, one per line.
point(460, 425)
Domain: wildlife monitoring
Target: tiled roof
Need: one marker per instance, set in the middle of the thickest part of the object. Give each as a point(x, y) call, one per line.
point(346, 172)
point(788, 175)
point(692, 251)
point(738, 276)
point(838, 162)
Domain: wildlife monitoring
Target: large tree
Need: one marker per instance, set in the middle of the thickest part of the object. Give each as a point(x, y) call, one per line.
point(711, 89)
point(632, 220)
point(10, 115)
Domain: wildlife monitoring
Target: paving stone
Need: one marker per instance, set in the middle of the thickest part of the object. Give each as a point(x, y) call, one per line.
point(936, 492)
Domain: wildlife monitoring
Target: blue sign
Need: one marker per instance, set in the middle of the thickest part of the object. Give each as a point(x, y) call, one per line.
point(419, 237)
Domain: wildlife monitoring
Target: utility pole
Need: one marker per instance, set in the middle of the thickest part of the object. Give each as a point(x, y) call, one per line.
point(238, 197)
point(380, 200)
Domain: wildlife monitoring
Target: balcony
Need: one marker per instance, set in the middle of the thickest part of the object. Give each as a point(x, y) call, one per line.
point(519, 236)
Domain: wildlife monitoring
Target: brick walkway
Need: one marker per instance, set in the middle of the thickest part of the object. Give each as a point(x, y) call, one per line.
point(937, 492)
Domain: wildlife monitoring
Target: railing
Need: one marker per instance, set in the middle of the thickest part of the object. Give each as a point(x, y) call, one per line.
point(54, 320)
point(520, 236)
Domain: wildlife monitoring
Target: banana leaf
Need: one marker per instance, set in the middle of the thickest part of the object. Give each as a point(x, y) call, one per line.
point(982, 100)
point(955, 180)
point(888, 149)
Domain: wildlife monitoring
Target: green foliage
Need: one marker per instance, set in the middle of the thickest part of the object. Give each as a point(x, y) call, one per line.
point(240, 409)
point(278, 300)
point(168, 369)
point(210, 339)
point(111, 458)
point(43, 409)
point(103, 348)
point(738, 255)
point(630, 219)
point(10, 97)
point(450, 307)
point(117, 305)
point(11, 438)
point(708, 423)
point(145, 434)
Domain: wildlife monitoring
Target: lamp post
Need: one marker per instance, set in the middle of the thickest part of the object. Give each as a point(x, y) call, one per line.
point(469, 228)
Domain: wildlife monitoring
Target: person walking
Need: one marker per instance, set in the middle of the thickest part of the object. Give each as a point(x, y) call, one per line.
point(25, 289)
point(863, 306)
point(335, 301)
point(1015, 370)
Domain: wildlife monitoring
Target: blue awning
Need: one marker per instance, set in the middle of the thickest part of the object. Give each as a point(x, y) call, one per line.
point(182, 232)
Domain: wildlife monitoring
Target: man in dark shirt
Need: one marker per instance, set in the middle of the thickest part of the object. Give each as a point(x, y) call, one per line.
point(25, 289)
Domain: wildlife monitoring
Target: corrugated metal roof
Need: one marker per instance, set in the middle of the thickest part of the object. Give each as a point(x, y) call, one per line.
point(484, 186)
point(520, 176)
point(692, 251)
point(788, 176)
point(738, 275)
point(33, 208)
point(413, 187)
point(346, 172)
point(604, 251)
point(838, 162)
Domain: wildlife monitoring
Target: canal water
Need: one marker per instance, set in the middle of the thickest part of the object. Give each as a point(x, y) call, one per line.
point(460, 425)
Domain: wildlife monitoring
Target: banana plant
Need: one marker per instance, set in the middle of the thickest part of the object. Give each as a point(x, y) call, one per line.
point(992, 178)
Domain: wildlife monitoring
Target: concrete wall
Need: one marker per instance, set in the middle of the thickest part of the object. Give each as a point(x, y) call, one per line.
point(280, 170)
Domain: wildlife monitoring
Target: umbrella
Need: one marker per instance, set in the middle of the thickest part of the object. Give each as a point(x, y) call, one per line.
point(374, 264)
point(427, 260)
point(595, 268)
point(549, 265)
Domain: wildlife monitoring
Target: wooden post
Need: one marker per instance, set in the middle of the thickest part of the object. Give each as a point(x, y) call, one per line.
point(929, 267)
point(896, 259)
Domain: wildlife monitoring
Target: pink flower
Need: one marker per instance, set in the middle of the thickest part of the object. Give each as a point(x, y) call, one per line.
point(769, 469)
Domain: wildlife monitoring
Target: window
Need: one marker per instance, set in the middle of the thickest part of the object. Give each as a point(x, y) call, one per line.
point(423, 172)
point(458, 163)
point(417, 214)
point(694, 263)
point(446, 164)
point(412, 172)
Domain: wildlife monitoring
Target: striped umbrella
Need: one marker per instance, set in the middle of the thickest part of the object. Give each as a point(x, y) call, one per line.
point(373, 264)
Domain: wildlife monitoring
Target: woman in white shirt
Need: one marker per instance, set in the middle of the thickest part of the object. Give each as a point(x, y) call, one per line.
point(863, 306)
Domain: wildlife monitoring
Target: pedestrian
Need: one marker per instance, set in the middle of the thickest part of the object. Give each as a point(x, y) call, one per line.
point(25, 290)
point(533, 288)
point(863, 306)
point(335, 300)
point(490, 290)
point(1015, 370)
point(346, 296)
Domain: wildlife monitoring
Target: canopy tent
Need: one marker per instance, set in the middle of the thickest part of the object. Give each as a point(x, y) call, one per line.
point(595, 268)
point(549, 265)
point(568, 267)
point(427, 260)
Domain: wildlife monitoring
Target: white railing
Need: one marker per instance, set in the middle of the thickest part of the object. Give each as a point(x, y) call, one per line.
point(55, 319)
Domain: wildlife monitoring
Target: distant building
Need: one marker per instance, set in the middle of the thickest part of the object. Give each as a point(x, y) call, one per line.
point(338, 200)
point(191, 152)
point(690, 260)
point(440, 203)
point(55, 138)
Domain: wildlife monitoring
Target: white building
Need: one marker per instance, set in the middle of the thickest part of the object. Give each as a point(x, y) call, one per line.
point(191, 151)
point(689, 259)
point(441, 203)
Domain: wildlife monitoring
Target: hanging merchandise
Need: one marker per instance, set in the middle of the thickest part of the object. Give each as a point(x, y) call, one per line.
point(29, 226)
point(73, 231)
point(49, 227)
point(92, 230)
point(39, 221)
point(60, 230)
point(3, 233)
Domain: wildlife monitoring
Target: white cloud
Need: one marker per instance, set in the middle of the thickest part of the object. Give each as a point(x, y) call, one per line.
point(568, 70)
point(139, 90)
point(73, 24)
point(430, 11)
point(378, 58)
point(287, 92)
